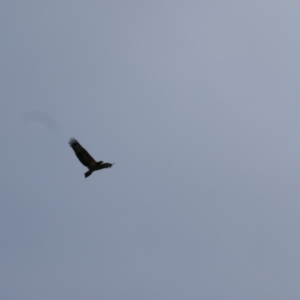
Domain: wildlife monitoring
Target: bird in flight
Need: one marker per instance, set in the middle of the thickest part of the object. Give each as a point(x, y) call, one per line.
point(86, 159)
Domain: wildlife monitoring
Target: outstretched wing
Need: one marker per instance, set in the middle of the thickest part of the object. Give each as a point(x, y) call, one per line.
point(84, 157)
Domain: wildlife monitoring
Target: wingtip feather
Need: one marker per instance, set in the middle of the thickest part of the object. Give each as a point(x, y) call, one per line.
point(73, 142)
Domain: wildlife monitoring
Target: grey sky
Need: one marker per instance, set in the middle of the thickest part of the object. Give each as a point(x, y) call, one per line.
point(40, 117)
point(197, 103)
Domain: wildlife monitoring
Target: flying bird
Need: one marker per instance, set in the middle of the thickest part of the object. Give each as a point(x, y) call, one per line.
point(86, 159)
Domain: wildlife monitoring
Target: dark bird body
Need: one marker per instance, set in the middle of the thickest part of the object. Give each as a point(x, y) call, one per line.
point(86, 159)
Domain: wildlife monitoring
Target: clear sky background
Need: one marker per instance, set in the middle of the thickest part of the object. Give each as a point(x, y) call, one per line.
point(197, 103)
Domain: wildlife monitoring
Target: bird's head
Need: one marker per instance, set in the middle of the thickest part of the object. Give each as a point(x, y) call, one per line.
point(99, 163)
point(106, 165)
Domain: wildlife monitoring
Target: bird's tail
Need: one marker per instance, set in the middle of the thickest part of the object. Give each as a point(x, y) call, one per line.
point(88, 173)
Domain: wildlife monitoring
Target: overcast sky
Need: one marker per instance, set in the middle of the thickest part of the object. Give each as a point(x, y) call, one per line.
point(198, 105)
